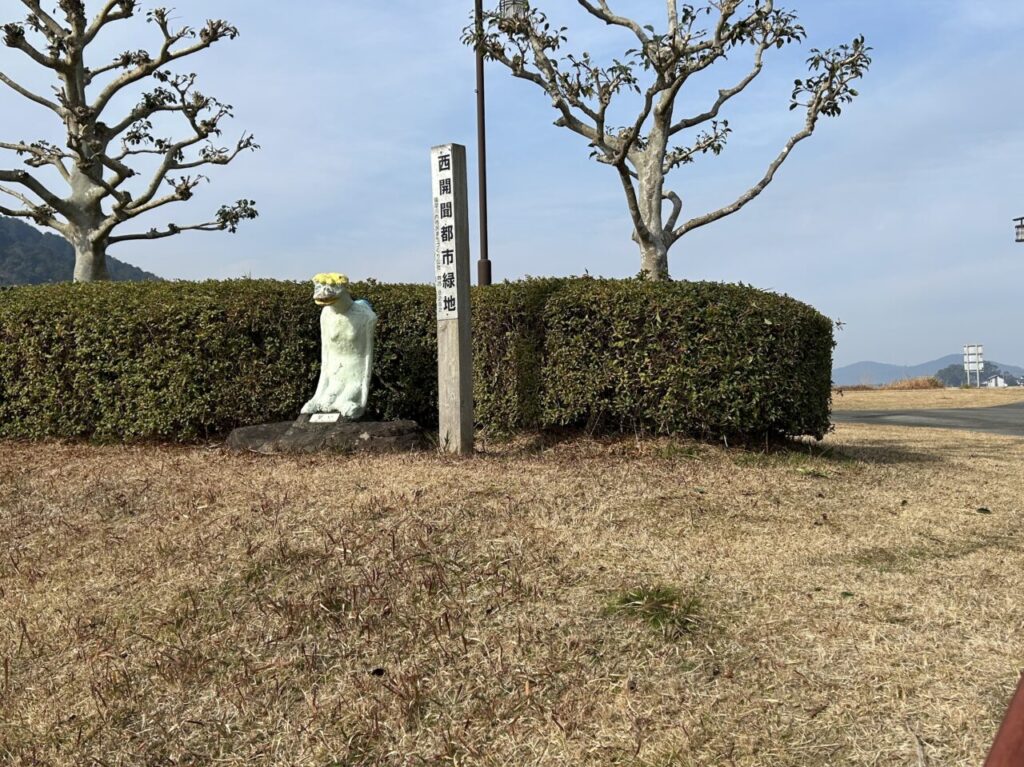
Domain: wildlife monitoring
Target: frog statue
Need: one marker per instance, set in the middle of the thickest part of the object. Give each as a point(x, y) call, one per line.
point(346, 349)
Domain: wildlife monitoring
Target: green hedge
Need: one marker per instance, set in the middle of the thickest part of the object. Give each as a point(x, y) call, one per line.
point(701, 358)
point(187, 361)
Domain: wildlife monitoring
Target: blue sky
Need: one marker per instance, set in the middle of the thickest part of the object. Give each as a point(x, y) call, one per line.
point(894, 218)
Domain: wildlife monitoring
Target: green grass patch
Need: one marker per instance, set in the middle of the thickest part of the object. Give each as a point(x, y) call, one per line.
point(664, 608)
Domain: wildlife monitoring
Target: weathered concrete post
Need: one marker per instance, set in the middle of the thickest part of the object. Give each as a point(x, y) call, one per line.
point(451, 271)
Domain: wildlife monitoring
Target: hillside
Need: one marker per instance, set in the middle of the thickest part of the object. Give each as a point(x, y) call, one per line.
point(30, 257)
point(877, 373)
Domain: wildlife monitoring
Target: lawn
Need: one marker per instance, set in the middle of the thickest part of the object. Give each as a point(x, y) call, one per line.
point(895, 399)
point(583, 602)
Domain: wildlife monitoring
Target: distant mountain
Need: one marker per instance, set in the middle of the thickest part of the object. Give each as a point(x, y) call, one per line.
point(877, 373)
point(30, 257)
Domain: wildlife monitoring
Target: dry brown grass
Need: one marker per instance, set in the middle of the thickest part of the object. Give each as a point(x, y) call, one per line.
point(919, 399)
point(913, 384)
point(841, 607)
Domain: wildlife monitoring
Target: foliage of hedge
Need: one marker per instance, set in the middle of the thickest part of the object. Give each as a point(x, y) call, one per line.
point(185, 361)
point(189, 360)
point(703, 358)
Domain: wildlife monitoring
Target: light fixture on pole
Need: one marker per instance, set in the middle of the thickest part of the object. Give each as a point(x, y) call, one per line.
point(507, 9)
point(1020, 228)
point(513, 9)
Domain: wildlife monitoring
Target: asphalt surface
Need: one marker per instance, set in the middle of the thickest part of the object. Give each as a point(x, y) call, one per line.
point(1002, 419)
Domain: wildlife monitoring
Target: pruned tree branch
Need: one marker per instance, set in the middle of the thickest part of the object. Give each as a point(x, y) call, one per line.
point(626, 178)
point(695, 38)
point(604, 13)
point(723, 96)
point(170, 231)
point(677, 208)
point(18, 196)
point(41, 153)
point(14, 212)
point(29, 94)
point(96, 175)
point(123, 61)
point(114, 10)
point(14, 37)
point(26, 180)
point(228, 218)
point(43, 215)
point(40, 215)
point(712, 140)
point(214, 31)
point(825, 93)
point(750, 194)
point(172, 161)
point(43, 21)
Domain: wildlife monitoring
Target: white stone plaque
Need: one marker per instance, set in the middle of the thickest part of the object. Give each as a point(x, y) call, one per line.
point(324, 417)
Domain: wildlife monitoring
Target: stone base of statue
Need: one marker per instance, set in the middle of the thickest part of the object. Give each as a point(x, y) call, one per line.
point(315, 434)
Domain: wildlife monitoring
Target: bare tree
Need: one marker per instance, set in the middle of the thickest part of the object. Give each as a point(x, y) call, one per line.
point(651, 146)
point(100, 150)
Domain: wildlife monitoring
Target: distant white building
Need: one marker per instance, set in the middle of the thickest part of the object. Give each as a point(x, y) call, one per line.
point(995, 382)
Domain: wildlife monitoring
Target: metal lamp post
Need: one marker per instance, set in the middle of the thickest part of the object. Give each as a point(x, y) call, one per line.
point(1019, 228)
point(507, 9)
point(513, 9)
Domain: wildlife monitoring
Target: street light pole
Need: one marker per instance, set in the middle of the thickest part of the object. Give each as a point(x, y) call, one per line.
point(507, 9)
point(483, 267)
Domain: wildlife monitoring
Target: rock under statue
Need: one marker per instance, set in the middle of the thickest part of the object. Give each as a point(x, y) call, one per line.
point(346, 349)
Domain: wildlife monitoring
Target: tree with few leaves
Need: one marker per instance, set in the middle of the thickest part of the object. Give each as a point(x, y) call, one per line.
point(659, 140)
point(100, 149)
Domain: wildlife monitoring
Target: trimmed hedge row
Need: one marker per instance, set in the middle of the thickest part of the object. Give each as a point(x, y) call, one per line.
point(187, 361)
point(701, 358)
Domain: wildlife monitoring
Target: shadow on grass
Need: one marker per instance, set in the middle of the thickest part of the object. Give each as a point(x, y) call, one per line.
point(803, 454)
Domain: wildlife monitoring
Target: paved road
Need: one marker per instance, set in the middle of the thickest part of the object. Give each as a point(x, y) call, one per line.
point(1002, 419)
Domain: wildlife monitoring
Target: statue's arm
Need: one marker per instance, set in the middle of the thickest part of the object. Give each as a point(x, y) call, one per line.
point(371, 329)
point(321, 382)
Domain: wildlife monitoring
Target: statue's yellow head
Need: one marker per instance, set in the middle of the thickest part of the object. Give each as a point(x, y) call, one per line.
point(328, 286)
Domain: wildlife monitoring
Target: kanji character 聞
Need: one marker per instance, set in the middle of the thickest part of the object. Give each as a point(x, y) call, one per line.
point(447, 210)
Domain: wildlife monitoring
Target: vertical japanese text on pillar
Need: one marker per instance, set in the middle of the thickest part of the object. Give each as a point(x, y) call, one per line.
point(446, 275)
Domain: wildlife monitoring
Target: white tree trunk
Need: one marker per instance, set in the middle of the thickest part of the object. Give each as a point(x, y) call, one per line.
point(90, 258)
point(84, 223)
point(654, 260)
point(653, 244)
